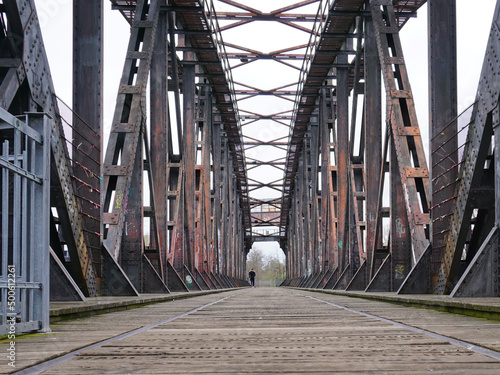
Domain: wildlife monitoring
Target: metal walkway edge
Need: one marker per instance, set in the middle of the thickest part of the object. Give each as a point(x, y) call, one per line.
point(102, 305)
point(487, 308)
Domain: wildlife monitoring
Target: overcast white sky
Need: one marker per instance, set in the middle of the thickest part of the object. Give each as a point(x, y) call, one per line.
point(474, 22)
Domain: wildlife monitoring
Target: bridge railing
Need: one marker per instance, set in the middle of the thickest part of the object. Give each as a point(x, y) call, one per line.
point(447, 167)
point(24, 217)
point(83, 144)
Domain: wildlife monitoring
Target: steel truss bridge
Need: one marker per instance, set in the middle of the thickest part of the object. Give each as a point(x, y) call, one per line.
point(172, 203)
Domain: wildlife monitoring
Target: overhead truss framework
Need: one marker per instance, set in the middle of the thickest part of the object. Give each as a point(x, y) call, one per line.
point(265, 108)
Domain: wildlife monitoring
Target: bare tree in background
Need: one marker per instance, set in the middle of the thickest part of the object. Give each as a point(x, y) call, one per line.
point(268, 268)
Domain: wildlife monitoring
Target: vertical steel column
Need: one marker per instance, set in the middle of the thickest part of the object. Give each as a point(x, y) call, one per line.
point(132, 248)
point(238, 235)
point(496, 132)
point(205, 199)
point(208, 167)
point(189, 157)
point(289, 255)
point(224, 250)
point(356, 200)
point(40, 256)
point(160, 135)
point(342, 152)
point(230, 217)
point(87, 67)
point(313, 198)
point(234, 213)
point(299, 198)
point(328, 258)
point(176, 214)
point(217, 181)
point(442, 123)
point(400, 239)
point(240, 247)
point(199, 124)
point(289, 244)
point(87, 119)
point(306, 203)
point(296, 235)
point(373, 134)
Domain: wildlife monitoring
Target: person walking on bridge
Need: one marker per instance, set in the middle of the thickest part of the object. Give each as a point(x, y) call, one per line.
point(251, 275)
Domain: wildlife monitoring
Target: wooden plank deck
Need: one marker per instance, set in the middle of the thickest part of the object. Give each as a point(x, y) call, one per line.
point(266, 331)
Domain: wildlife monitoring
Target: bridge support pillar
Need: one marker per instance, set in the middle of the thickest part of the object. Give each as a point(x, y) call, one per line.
point(87, 120)
point(373, 131)
point(442, 123)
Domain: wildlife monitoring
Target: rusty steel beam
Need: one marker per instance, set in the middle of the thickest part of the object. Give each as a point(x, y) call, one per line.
point(442, 122)
point(302, 228)
point(242, 16)
point(342, 162)
point(216, 209)
point(128, 159)
point(357, 190)
point(160, 135)
point(373, 131)
point(225, 225)
point(132, 244)
point(87, 118)
point(358, 224)
point(311, 197)
point(404, 125)
point(329, 259)
point(127, 122)
point(391, 264)
point(189, 160)
point(400, 237)
point(203, 128)
point(208, 261)
point(314, 196)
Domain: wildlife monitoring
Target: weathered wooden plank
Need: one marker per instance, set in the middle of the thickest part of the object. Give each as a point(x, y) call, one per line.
point(268, 330)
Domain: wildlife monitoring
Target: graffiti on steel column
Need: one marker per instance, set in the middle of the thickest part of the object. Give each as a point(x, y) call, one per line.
point(132, 230)
point(373, 222)
point(400, 229)
point(399, 272)
point(119, 201)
